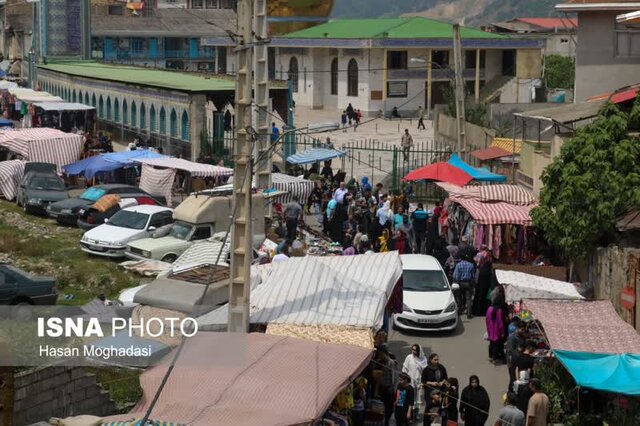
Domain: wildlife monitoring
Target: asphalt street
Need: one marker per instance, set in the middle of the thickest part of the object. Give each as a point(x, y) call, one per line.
point(463, 353)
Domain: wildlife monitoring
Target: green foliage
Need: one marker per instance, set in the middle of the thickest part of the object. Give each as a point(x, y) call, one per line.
point(595, 178)
point(634, 115)
point(559, 72)
point(474, 113)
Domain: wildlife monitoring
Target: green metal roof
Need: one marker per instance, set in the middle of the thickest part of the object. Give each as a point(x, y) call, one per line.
point(390, 28)
point(172, 80)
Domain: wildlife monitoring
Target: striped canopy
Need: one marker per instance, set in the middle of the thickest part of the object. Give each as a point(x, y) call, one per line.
point(196, 169)
point(495, 213)
point(43, 145)
point(315, 155)
point(11, 173)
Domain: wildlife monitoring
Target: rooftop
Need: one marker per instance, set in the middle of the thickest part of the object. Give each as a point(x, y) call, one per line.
point(172, 80)
point(538, 25)
point(596, 5)
point(388, 28)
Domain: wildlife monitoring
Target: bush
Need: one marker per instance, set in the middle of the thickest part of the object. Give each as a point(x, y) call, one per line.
point(559, 72)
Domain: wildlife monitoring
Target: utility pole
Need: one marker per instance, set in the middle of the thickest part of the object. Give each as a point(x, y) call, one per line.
point(241, 234)
point(261, 93)
point(460, 116)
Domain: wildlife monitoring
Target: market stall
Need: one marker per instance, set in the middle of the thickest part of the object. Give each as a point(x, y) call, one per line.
point(90, 167)
point(478, 174)
point(440, 172)
point(597, 347)
point(295, 187)
point(497, 216)
point(65, 115)
point(43, 145)
point(232, 371)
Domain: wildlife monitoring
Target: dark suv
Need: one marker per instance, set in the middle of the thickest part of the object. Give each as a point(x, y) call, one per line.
point(67, 212)
point(19, 287)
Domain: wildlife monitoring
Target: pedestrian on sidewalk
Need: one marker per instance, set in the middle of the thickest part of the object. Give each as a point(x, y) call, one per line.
point(538, 407)
point(350, 113)
point(404, 401)
point(434, 375)
point(414, 364)
point(510, 415)
point(474, 403)
point(406, 143)
point(496, 331)
point(419, 221)
point(343, 120)
point(292, 214)
point(464, 274)
point(421, 118)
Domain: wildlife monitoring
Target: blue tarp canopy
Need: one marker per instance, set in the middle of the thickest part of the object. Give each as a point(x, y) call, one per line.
point(616, 373)
point(315, 155)
point(5, 123)
point(479, 174)
point(89, 167)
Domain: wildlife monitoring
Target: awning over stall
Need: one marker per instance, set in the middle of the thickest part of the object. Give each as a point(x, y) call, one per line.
point(478, 174)
point(440, 172)
point(315, 155)
point(495, 213)
point(519, 286)
point(11, 173)
point(196, 169)
point(43, 145)
point(63, 106)
point(89, 167)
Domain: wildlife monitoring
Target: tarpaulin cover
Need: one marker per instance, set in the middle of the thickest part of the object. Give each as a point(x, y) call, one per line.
point(479, 174)
point(442, 172)
point(341, 290)
point(249, 379)
point(89, 167)
point(11, 173)
point(315, 155)
point(196, 169)
point(519, 286)
point(5, 123)
point(157, 181)
point(589, 326)
point(617, 373)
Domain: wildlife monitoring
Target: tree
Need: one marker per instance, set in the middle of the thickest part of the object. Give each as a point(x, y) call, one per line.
point(593, 181)
point(559, 72)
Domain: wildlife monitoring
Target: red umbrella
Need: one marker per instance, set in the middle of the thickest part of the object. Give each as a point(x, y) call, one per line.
point(442, 172)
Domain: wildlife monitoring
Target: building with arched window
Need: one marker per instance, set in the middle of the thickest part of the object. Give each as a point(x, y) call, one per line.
point(378, 64)
point(162, 107)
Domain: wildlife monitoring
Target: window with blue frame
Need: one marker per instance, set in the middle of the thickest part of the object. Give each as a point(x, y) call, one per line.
point(143, 116)
point(184, 126)
point(134, 115)
point(125, 113)
point(93, 100)
point(173, 129)
point(116, 111)
point(137, 47)
point(108, 108)
point(152, 119)
point(100, 107)
point(163, 122)
point(86, 99)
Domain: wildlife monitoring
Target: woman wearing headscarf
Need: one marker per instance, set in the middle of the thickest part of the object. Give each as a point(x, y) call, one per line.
point(407, 228)
point(484, 260)
point(474, 403)
point(496, 332)
point(382, 244)
point(450, 400)
point(400, 243)
point(413, 365)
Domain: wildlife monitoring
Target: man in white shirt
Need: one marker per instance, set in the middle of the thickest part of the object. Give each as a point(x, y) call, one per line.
point(339, 193)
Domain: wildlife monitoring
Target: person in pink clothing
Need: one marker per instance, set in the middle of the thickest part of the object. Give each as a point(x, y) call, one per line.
point(495, 332)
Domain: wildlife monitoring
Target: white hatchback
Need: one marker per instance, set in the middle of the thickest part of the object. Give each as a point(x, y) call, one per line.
point(129, 224)
point(429, 304)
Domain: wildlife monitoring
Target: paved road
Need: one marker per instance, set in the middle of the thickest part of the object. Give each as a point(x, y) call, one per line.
point(463, 353)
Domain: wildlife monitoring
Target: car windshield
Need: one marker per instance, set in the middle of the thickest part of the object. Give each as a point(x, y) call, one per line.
point(180, 230)
point(421, 280)
point(93, 194)
point(47, 184)
point(129, 219)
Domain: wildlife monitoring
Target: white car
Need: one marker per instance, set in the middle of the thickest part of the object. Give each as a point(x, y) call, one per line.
point(129, 224)
point(429, 304)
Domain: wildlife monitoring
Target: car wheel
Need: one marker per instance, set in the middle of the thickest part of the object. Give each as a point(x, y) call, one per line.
point(170, 258)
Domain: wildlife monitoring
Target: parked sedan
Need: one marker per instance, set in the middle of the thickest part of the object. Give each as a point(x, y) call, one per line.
point(428, 300)
point(132, 223)
point(19, 287)
point(39, 187)
point(66, 212)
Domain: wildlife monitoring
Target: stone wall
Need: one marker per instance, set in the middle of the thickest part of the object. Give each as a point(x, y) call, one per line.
point(58, 392)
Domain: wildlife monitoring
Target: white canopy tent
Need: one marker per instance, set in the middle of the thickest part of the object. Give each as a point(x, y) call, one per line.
point(63, 106)
point(196, 169)
point(519, 286)
point(30, 95)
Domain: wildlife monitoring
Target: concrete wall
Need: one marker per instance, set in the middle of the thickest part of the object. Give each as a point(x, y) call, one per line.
point(446, 135)
point(533, 160)
point(599, 68)
point(58, 392)
point(561, 44)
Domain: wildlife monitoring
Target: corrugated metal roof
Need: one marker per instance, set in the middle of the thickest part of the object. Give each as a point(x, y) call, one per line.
point(388, 28)
point(566, 113)
point(551, 23)
point(168, 80)
point(507, 145)
point(249, 379)
point(490, 153)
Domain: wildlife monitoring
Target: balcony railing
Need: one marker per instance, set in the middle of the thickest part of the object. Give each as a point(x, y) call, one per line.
point(202, 54)
point(436, 74)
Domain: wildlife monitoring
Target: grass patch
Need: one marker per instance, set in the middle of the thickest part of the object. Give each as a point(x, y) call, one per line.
point(123, 384)
point(39, 246)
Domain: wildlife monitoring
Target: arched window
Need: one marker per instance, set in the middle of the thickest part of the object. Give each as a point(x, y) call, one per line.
point(100, 107)
point(184, 126)
point(352, 78)
point(152, 119)
point(125, 113)
point(143, 116)
point(334, 76)
point(93, 100)
point(293, 73)
point(116, 110)
point(86, 98)
point(109, 108)
point(73, 96)
point(173, 124)
point(163, 122)
point(134, 115)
